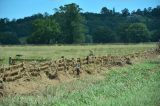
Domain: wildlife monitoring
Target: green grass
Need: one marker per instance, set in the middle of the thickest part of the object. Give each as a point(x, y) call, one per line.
point(70, 51)
point(136, 85)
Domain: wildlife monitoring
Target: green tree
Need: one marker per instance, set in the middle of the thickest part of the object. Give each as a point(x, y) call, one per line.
point(156, 35)
point(72, 23)
point(46, 31)
point(138, 32)
point(8, 38)
point(103, 35)
point(122, 32)
point(106, 11)
point(139, 12)
point(125, 12)
point(156, 12)
point(89, 39)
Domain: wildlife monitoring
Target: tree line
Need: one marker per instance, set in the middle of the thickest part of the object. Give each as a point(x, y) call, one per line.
point(68, 25)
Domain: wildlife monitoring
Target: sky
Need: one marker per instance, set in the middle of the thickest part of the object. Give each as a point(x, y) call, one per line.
point(15, 9)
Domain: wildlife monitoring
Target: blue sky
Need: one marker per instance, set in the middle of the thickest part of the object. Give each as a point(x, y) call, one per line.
point(21, 8)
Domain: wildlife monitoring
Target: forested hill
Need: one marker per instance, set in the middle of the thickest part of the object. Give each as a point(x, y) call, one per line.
point(68, 26)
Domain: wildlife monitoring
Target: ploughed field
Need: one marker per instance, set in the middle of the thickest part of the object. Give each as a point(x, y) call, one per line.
point(113, 75)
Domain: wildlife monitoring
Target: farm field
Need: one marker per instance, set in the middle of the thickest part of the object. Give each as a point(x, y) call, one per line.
point(130, 76)
point(68, 53)
point(55, 52)
point(136, 85)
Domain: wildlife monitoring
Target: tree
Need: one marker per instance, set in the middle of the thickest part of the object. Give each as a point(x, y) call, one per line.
point(122, 32)
point(103, 35)
point(145, 12)
point(156, 35)
point(135, 18)
point(77, 27)
point(45, 32)
point(139, 12)
point(72, 23)
point(138, 32)
point(8, 38)
point(106, 11)
point(156, 12)
point(89, 39)
point(125, 12)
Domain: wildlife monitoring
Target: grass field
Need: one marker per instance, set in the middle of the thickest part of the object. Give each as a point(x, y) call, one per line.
point(54, 52)
point(136, 85)
point(132, 85)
